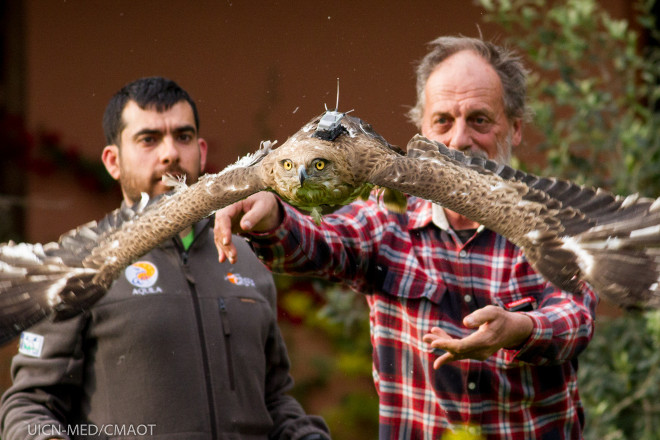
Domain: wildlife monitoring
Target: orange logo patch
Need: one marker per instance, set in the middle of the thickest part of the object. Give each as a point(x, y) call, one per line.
point(142, 274)
point(239, 280)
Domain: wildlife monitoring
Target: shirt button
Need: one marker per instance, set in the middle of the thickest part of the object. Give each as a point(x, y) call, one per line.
point(472, 385)
point(467, 298)
point(462, 254)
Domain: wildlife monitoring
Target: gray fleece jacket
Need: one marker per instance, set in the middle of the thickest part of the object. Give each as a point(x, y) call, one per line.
point(181, 347)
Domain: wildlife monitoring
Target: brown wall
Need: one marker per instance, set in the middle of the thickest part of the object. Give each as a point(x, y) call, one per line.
point(257, 72)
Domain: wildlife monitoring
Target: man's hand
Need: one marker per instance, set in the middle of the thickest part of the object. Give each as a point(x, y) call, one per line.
point(497, 329)
point(258, 213)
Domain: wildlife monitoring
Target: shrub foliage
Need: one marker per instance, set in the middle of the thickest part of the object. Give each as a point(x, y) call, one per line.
point(595, 91)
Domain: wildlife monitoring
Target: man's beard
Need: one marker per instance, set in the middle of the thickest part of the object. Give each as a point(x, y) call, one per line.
point(504, 148)
point(503, 154)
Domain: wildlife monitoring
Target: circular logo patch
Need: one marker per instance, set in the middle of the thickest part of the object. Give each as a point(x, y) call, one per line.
point(142, 274)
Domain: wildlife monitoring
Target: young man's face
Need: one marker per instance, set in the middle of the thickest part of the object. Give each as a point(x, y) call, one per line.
point(464, 108)
point(153, 144)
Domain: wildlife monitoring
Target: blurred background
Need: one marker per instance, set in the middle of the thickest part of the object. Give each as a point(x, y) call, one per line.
point(260, 70)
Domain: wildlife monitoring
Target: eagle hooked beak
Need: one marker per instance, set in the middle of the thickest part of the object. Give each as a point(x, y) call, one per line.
point(302, 174)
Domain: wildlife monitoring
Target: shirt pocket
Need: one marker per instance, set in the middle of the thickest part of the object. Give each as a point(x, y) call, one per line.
point(516, 300)
point(412, 283)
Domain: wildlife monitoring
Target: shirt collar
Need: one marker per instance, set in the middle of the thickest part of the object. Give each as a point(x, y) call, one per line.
point(425, 212)
point(438, 217)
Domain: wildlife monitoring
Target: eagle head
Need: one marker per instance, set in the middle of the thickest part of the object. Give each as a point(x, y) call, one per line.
point(314, 169)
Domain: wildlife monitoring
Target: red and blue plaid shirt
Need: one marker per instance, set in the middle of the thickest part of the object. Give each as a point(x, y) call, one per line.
point(417, 276)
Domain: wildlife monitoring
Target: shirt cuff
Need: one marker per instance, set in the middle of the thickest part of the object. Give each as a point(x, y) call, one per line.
point(537, 343)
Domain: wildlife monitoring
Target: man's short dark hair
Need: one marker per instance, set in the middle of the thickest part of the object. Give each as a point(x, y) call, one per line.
point(155, 92)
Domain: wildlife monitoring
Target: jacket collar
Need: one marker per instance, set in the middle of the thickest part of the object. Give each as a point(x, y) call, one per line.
point(200, 237)
point(198, 227)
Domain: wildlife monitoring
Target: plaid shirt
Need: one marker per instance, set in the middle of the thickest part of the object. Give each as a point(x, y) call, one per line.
point(416, 276)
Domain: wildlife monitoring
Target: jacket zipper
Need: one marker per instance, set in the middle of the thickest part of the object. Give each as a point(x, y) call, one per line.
point(202, 338)
point(227, 332)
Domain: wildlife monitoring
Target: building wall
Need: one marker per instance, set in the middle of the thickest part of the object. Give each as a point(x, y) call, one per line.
point(258, 70)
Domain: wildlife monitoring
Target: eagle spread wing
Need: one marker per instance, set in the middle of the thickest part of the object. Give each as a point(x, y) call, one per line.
point(60, 279)
point(569, 233)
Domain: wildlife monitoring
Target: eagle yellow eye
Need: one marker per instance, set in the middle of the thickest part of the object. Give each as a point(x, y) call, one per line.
point(287, 164)
point(319, 164)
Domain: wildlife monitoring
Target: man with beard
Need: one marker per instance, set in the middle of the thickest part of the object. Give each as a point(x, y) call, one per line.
point(466, 335)
point(181, 347)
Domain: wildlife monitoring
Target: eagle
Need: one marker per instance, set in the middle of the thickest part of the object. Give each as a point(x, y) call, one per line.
point(571, 234)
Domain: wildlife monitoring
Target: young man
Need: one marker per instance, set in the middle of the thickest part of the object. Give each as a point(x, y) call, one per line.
point(438, 281)
point(181, 347)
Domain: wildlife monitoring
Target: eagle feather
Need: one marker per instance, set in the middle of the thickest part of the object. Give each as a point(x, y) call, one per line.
point(571, 234)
